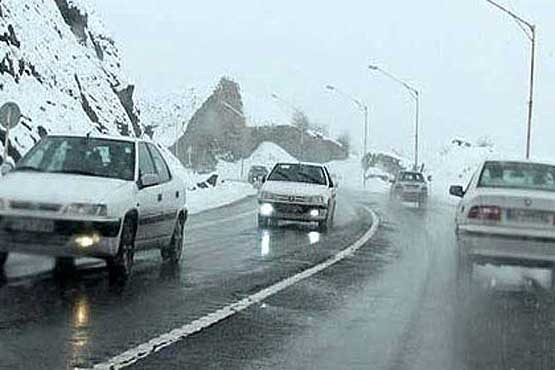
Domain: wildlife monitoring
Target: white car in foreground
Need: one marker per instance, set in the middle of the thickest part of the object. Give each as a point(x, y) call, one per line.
point(297, 192)
point(507, 216)
point(87, 196)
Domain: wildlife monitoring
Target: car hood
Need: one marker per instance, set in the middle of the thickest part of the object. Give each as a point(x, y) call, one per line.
point(57, 188)
point(294, 188)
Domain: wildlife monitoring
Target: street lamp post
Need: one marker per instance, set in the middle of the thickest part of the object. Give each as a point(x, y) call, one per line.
point(416, 96)
point(530, 33)
point(295, 109)
point(364, 109)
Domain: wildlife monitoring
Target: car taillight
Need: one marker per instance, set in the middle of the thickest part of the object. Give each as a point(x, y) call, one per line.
point(489, 213)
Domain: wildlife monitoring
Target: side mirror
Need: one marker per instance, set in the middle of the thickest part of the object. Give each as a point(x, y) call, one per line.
point(5, 168)
point(263, 179)
point(430, 178)
point(149, 179)
point(457, 191)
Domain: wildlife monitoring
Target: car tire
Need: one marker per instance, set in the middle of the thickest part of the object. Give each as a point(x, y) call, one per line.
point(120, 266)
point(64, 266)
point(173, 251)
point(3, 260)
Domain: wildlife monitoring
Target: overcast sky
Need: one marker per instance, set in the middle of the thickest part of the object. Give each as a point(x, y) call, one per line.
point(470, 61)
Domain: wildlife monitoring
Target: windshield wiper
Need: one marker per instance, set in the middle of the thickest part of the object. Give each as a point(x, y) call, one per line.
point(28, 168)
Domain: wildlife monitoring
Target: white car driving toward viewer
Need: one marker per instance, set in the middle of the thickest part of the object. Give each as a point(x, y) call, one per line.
point(297, 192)
point(88, 196)
point(507, 216)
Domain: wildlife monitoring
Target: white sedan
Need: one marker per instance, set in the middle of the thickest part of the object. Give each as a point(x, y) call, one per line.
point(507, 216)
point(297, 192)
point(87, 196)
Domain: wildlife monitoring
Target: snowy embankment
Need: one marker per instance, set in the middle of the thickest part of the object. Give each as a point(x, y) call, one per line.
point(201, 199)
point(455, 165)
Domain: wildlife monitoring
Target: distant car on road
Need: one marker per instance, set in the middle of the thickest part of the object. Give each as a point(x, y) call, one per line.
point(410, 186)
point(297, 192)
point(103, 197)
point(257, 174)
point(507, 216)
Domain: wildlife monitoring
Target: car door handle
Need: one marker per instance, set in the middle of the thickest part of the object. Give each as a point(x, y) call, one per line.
point(159, 197)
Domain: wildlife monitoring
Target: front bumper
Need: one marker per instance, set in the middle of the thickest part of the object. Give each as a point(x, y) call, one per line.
point(506, 249)
point(294, 211)
point(411, 196)
point(65, 240)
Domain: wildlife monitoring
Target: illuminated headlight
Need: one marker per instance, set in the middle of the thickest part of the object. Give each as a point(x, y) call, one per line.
point(84, 209)
point(267, 195)
point(266, 209)
point(318, 199)
point(85, 241)
point(314, 213)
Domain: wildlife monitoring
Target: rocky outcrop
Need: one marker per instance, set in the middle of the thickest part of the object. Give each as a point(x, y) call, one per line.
point(218, 131)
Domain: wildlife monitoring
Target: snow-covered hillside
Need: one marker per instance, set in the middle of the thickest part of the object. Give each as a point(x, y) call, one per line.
point(167, 115)
point(58, 62)
point(455, 165)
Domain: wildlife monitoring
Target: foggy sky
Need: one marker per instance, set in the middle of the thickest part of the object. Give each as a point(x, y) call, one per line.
point(470, 61)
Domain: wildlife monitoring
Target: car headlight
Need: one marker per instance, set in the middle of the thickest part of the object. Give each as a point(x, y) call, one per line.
point(85, 209)
point(316, 199)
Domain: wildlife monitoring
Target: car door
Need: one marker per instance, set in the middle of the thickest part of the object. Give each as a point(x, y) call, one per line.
point(171, 196)
point(149, 200)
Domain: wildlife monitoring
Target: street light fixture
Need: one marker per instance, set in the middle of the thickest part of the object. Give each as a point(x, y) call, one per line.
point(416, 96)
point(529, 30)
point(364, 108)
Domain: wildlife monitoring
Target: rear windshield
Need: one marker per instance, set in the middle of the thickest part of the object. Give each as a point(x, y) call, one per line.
point(411, 177)
point(298, 173)
point(518, 175)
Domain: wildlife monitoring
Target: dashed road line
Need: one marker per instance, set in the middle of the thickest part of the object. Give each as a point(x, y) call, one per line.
point(156, 344)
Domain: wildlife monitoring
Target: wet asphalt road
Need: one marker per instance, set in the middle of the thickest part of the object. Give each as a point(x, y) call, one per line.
point(392, 305)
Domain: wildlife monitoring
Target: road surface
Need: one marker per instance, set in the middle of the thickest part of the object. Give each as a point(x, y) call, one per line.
point(391, 305)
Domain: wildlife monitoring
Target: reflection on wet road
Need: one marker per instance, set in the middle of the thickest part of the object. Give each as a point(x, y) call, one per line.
point(393, 305)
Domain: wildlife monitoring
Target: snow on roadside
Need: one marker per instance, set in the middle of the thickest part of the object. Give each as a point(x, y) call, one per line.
point(455, 165)
point(200, 200)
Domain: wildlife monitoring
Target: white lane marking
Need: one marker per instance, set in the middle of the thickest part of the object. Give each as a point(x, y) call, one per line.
point(222, 220)
point(154, 345)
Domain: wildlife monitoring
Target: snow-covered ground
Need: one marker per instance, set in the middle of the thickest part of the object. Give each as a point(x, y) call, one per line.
point(199, 199)
point(57, 73)
point(454, 165)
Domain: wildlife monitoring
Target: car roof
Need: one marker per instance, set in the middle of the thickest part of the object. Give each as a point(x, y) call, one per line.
point(520, 160)
point(104, 136)
point(302, 164)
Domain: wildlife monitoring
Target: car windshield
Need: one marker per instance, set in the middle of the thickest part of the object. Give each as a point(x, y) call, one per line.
point(411, 177)
point(298, 173)
point(81, 156)
point(518, 175)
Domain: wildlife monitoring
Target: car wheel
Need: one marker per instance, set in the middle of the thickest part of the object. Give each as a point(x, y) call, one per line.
point(3, 260)
point(64, 266)
point(172, 252)
point(119, 267)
